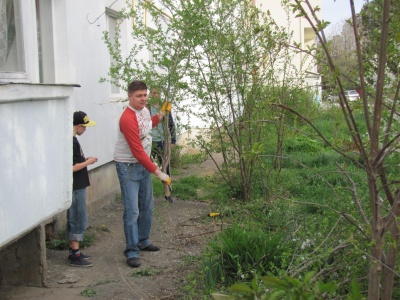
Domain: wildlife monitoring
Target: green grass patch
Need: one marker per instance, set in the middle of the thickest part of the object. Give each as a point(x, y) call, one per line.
point(89, 293)
point(60, 243)
point(145, 272)
point(104, 282)
point(194, 188)
point(239, 253)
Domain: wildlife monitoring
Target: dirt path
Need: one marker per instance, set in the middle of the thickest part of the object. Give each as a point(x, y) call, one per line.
point(178, 228)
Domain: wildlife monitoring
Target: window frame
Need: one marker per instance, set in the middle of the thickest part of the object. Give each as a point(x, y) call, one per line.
point(110, 13)
point(27, 18)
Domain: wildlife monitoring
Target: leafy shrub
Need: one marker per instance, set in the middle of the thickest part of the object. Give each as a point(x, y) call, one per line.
point(239, 253)
point(269, 287)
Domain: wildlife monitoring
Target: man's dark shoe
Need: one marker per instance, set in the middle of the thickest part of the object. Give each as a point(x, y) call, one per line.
point(78, 261)
point(151, 247)
point(133, 262)
point(84, 256)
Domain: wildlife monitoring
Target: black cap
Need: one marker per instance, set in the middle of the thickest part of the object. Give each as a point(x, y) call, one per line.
point(81, 118)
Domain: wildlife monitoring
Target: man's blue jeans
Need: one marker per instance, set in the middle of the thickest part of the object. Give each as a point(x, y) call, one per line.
point(137, 196)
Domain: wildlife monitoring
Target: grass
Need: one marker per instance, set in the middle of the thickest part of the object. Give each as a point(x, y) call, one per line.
point(60, 243)
point(304, 208)
point(104, 282)
point(238, 253)
point(145, 272)
point(183, 161)
point(89, 293)
point(194, 188)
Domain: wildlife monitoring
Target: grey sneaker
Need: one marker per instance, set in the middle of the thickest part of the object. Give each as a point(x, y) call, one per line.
point(78, 261)
point(133, 262)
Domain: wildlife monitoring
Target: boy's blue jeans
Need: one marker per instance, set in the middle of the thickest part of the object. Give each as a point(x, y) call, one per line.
point(77, 216)
point(137, 196)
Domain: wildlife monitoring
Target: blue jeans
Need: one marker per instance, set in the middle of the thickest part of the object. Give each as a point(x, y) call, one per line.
point(77, 216)
point(137, 196)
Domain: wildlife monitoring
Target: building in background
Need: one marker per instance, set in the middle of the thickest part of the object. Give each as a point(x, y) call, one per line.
point(302, 34)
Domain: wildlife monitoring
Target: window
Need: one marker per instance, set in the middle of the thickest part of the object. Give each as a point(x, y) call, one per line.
point(11, 38)
point(112, 22)
point(151, 47)
point(45, 41)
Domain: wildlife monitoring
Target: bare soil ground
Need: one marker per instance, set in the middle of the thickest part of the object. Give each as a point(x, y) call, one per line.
point(179, 228)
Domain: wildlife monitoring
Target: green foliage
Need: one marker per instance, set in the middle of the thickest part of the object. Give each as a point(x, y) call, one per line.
point(270, 287)
point(194, 187)
point(302, 144)
point(239, 253)
point(192, 54)
point(104, 282)
point(185, 160)
point(57, 244)
point(88, 293)
point(371, 16)
point(61, 243)
point(145, 272)
point(304, 196)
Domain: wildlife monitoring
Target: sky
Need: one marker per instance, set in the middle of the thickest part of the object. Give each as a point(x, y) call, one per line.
point(339, 10)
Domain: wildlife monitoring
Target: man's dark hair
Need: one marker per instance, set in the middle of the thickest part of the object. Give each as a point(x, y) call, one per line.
point(136, 85)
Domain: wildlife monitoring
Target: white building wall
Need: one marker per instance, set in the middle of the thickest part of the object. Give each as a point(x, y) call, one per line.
point(302, 33)
point(36, 156)
point(36, 177)
point(299, 28)
point(81, 57)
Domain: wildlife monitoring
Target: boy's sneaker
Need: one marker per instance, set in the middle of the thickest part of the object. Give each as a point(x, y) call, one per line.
point(78, 261)
point(84, 256)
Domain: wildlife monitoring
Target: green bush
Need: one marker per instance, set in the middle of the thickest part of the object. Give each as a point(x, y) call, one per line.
point(240, 253)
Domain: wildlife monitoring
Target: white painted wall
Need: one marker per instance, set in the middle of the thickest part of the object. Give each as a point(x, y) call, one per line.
point(36, 156)
point(299, 27)
point(81, 57)
point(36, 120)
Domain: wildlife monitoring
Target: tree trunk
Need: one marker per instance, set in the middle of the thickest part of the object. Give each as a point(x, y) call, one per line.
point(279, 148)
point(166, 157)
point(377, 239)
point(244, 179)
point(375, 268)
point(388, 271)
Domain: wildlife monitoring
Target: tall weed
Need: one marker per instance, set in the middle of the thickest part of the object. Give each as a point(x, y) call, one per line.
point(240, 253)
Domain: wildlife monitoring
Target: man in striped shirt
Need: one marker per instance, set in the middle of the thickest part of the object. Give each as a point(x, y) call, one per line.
point(134, 168)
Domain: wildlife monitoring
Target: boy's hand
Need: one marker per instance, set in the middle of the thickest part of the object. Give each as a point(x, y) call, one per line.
point(91, 160)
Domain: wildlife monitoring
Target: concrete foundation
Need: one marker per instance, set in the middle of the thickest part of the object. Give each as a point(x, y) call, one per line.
point(24, 261)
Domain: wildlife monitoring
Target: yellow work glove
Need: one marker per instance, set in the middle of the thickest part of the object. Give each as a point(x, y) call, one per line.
point(166, 107)
point(163, 177)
